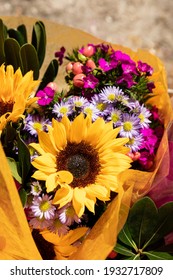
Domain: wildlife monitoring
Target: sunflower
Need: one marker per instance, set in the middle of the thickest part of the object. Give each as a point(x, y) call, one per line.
point(14, 93)
point(80, 161)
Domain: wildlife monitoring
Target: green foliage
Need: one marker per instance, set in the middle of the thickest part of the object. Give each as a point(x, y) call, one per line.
point(142, 237)
point(17, 51)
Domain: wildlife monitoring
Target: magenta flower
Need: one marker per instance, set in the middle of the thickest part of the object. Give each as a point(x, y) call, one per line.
point(144, 67)
point(46, 96)
point(126, 79)
point(150, 140)
point(106, 66)
point(60, 55)
point(90, 81)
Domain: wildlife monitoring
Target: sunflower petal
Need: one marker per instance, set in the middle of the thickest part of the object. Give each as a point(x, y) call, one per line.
point(78, 201)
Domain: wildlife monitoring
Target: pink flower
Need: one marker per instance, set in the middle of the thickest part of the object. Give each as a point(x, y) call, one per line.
point(46, 96)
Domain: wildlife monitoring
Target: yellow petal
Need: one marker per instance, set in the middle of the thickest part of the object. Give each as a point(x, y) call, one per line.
point(39, 175)
point(65, 176)
point(98, 191)
point(79, 201)
point(63, 195)
point(51, 182)
point(78, 129)
point(46, 143)
point(59, 134)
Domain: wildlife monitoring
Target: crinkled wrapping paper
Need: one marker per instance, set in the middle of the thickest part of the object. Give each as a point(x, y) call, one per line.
point(15, 237)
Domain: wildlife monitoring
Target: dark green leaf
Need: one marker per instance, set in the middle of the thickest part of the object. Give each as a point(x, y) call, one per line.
point(39, 40)
point(125, 237)
point(29, 60)
point(14, 169)
point(124, 250)
point(153, 255)
point(50, 74)
point(19, 35)
point(142, 221)
point(12, 55)
point(23, 196)
point(22, 29)
point(3, 36)
point(164, 223)
point(24, 159)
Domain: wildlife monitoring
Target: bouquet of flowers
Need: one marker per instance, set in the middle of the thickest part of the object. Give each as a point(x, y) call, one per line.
point(83, 158)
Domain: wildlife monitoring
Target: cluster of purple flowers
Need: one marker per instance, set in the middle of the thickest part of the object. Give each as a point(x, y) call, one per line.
point(41, 213)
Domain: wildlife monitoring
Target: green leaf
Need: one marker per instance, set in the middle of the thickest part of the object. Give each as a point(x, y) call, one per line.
point(39, 40)
point(22, 29)
point(50, 74)
point(19, 35)
point(125, 237)
point(164, 223)
point(12, 55)
point(14, 169)
point(124, 250)
point(142, 221)
point(3, 36)
point(29, 60)
point(153, 255)
point(23, 196)
point(24, 159)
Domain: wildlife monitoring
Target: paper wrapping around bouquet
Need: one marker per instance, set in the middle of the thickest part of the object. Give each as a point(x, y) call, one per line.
point(15, 238)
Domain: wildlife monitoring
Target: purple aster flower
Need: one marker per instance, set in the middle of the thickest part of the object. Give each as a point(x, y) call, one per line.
point(144, 116)
point(35, 122)
point(57, 227)
point(39, 223)
point(60, 55)
point(46, 96)
point(100, 105)
point(42, 207)
point(90, 81)
point(61, 109)
point(67, 215)
point(92, 111)
point(130, 125)
point(110, 94)
point(78, 102)
point(145, 68)
point(135, 143)
point(115, 116)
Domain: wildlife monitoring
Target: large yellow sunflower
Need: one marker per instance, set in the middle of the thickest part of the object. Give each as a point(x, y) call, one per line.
point(81, 161)
point(15, 90)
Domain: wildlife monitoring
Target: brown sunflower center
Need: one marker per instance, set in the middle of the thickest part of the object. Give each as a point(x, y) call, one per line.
point(5, 107)
point(82, 160)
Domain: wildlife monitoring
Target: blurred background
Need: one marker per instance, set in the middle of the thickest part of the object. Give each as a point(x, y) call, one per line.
point(136, 24)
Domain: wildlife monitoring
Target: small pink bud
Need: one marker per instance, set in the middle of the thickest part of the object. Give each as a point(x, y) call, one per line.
point(77, 68)
point(78, 80)
point(88, 51)
point(53, 86)
point(136, 156)
point(130, 155)
point(90, 63)
point(69, 67)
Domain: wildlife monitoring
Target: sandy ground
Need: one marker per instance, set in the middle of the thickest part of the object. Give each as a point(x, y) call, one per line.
point(133, 23)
